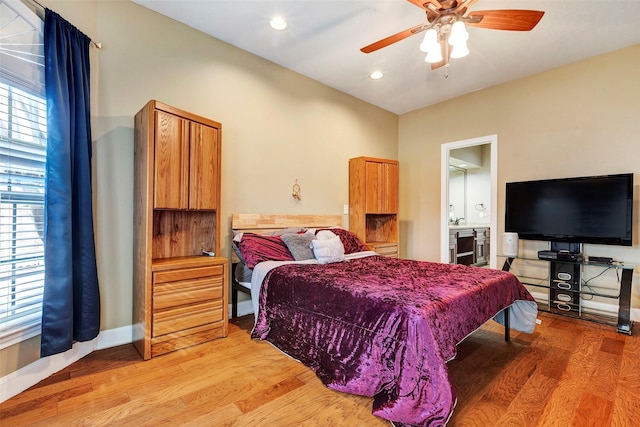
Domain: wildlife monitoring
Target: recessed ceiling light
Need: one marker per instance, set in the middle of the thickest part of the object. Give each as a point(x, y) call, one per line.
point(278, 23)
point(376, 75)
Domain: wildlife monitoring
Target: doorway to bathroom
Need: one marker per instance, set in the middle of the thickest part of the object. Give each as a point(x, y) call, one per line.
point(469, 199)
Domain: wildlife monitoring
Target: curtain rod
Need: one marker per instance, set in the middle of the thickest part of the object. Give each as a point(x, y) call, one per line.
point(40, 12)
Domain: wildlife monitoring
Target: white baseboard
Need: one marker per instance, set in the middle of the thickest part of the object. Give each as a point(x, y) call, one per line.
point(20, 380)
point(114, 337)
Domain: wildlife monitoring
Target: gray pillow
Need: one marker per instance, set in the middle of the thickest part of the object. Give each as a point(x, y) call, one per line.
point(299, 245)
point(289, 230)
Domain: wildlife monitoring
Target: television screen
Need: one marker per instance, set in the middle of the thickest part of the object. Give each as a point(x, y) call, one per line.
point(596, 209)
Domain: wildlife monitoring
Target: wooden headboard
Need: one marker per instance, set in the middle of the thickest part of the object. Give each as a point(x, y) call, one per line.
point(264, 223)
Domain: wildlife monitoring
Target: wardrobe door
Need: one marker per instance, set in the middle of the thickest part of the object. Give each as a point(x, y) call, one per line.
point(171, 162)
point(204, 168)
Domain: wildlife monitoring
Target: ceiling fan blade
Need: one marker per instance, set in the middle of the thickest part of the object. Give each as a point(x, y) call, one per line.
point(419, 3)
point(443, 6)
point(464, 5)
point(423, 4)
point(512, 20)
point(394, 38)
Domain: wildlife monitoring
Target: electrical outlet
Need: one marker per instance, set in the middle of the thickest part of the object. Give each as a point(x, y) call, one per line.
point(345, 209)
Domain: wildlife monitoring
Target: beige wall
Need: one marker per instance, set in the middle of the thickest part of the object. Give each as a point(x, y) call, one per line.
point(577, 120)
point(278, 126)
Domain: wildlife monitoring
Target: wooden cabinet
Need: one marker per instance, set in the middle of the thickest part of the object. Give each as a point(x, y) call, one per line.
point(469, 246)
point(373, 203)
point(381, 181)
point(179, 295)
point(185, 163)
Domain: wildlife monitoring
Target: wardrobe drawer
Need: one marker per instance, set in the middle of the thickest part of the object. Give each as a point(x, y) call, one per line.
point(186, 316)
point(171, 294)
point(187, 273)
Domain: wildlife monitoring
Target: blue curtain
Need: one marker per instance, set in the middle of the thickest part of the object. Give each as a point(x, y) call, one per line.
point(71, 300)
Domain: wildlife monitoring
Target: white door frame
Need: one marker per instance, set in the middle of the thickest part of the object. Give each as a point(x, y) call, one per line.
point(444, 193)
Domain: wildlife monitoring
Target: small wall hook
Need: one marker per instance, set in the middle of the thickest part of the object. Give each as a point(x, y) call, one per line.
point(296, 191)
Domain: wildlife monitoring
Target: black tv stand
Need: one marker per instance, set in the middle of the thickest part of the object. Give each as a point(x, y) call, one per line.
point(565, 290)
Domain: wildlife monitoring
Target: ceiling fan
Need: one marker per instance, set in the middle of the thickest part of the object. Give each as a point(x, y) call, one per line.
point(445, 27)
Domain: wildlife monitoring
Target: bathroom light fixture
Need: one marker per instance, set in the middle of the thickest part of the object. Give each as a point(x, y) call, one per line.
point(278, 23)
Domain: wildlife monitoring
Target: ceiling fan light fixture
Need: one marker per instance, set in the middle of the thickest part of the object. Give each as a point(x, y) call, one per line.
point(459, 34)
point(446, 34)
point(460, 50)
point(434, 55)
point(430, 41)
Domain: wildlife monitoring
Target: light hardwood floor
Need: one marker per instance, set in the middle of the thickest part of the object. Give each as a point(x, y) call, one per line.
point(568, 373)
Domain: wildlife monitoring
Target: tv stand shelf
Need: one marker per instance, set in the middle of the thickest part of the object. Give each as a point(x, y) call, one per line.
point(571, 303)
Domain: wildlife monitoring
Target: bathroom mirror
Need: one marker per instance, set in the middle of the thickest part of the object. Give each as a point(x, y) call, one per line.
point(457, 194)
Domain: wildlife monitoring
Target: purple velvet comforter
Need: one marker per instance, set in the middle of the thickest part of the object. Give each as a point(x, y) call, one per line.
point(383, 327)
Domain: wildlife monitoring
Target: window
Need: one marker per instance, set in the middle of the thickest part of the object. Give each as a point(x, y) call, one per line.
point(22, 168)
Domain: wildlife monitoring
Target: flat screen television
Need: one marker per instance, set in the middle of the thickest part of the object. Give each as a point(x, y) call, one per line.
point(593, 209)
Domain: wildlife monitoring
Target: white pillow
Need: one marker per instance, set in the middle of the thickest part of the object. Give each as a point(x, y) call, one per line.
point(325, 235)
point(328, 250)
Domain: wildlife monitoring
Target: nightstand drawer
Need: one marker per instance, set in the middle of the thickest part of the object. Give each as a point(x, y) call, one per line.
point(187, 273)
point(184, 317)
point(386, 249)
point(182, 292)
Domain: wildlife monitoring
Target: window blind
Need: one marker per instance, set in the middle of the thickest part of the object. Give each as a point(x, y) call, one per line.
point(22, 170)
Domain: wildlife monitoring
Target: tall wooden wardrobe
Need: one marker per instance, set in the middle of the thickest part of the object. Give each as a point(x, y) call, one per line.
point(373, 203)
point(179, 292)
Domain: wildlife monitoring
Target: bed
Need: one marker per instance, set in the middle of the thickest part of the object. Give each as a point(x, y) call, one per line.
point(377, 326)
point(267, 224)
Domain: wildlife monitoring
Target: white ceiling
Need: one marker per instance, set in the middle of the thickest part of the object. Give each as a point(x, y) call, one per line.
point(324, 37)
